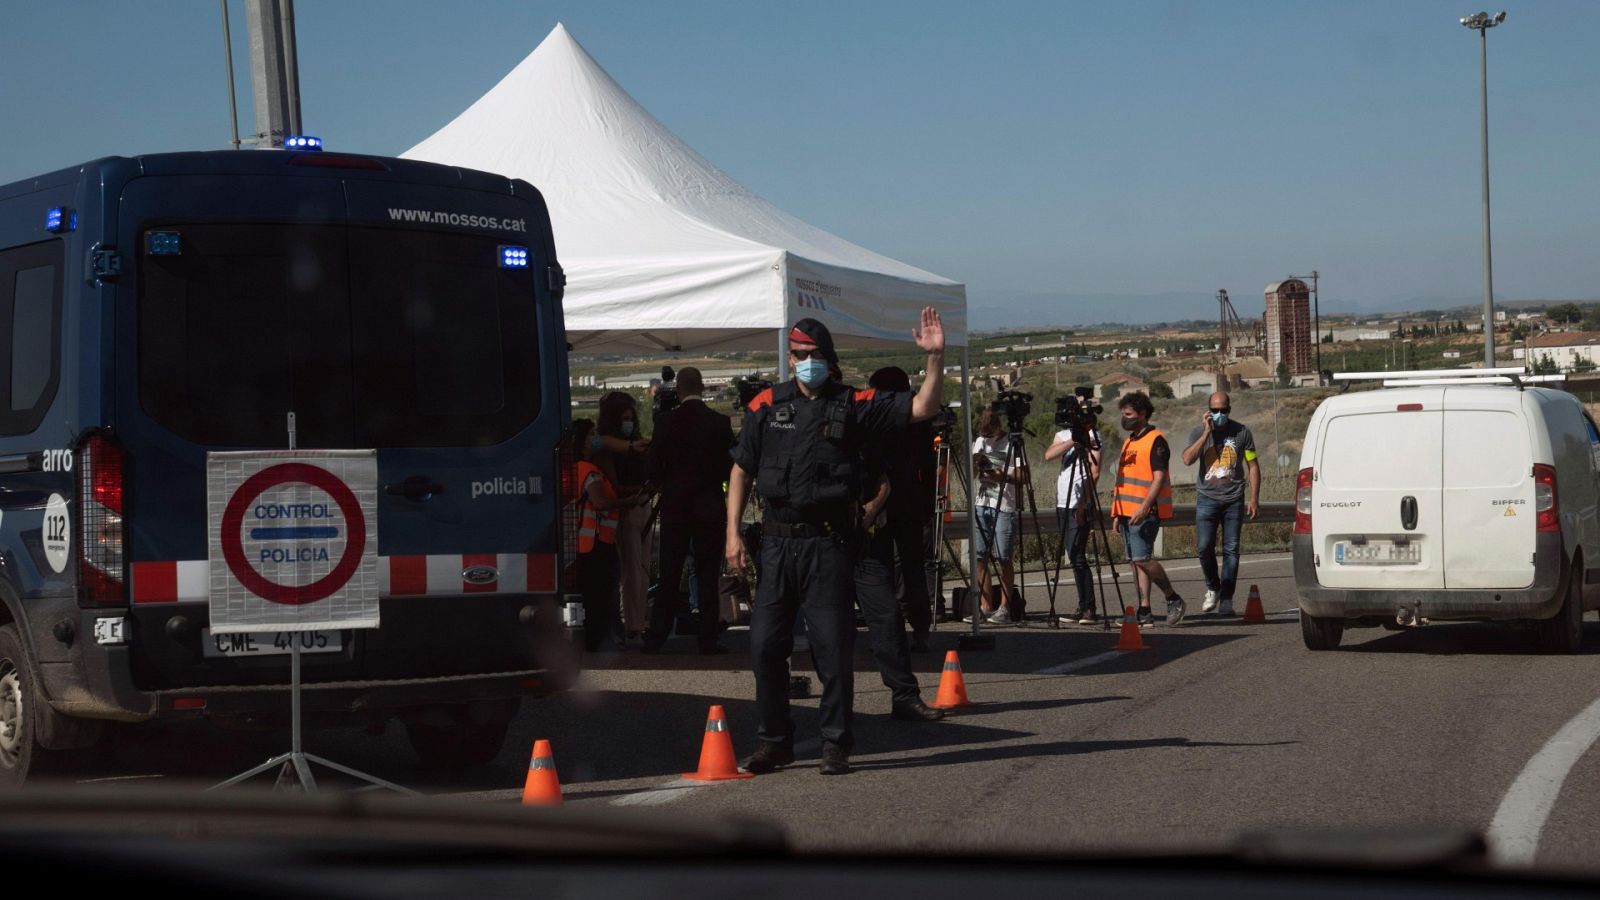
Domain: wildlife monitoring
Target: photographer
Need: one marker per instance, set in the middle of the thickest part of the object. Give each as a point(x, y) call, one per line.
point(1080, 472)
point(999, 490)
point(909, 464)
point(689, 460)
point(619, 424)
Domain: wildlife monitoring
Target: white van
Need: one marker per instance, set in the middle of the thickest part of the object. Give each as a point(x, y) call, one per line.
point(1453, 501)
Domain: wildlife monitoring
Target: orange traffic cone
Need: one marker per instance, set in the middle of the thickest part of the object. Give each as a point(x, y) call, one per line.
point(542, 788)
point(1131, 638)
point(716, 751)
point(1253, 613)
point(952, 687)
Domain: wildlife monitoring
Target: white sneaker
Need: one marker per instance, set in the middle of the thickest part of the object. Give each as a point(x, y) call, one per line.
point(1210, 604)
point(1001, 617)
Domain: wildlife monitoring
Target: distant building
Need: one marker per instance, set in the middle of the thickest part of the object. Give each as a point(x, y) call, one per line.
point(1452, 354)
point(1288, 325)
point(1111, 387)
point(1566, 348)
point(1193, 383)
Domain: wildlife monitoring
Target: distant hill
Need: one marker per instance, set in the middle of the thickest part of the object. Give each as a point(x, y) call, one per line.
point(1000, 311)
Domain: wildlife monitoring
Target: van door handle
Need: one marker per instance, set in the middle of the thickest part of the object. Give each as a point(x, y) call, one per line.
point(1408, 513)
point(417, 487)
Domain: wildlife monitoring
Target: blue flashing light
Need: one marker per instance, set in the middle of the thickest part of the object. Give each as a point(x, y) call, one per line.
point(513, 257)
point(61, 218)
point(302, 142)
point(163, 243)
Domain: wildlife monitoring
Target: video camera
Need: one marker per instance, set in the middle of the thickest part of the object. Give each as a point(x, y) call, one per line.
point(1078, 410)
point(666, 398)
point(944, 422)
point(1014, 406)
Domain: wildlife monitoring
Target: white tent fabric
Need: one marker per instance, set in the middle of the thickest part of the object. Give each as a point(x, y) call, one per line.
point(663, 250)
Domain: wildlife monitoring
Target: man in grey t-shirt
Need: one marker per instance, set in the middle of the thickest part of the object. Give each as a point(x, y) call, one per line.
point(1226, 453)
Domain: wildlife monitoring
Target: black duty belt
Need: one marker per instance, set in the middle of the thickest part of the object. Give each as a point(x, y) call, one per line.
point(799, 529)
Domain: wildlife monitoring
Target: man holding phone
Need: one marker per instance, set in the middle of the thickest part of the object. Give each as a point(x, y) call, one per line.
point(1226, 452)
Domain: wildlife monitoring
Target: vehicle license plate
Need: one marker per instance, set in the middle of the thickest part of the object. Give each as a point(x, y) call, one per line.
point(1377, 553)
point(269, 643)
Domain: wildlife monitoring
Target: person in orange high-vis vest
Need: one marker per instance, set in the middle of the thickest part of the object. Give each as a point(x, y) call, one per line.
point(1142, 499)
point(598, 566)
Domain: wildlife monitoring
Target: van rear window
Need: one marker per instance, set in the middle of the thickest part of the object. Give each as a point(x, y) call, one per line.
point(374, 338)
point(1384, 450)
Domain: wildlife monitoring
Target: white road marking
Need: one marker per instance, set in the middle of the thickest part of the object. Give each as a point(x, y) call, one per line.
point(1514, 831)
point(675, 789)
point(1075, 665)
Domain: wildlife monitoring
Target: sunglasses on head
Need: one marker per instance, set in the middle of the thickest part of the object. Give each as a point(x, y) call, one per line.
point(803, 355)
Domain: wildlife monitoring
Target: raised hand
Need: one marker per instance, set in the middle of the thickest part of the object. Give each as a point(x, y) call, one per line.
point(930, 336)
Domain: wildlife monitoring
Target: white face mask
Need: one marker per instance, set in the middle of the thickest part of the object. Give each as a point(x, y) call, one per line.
point(627, 429)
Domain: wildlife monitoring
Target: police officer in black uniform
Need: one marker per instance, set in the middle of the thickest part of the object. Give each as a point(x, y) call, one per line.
point(801, 443)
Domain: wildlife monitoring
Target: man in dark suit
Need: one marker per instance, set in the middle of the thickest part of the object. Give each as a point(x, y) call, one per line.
point(689, 462)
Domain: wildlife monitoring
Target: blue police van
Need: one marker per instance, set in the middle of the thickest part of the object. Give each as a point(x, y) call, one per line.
point(160, 307)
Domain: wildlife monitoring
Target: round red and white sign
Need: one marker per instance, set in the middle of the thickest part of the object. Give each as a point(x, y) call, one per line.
point(293, 534)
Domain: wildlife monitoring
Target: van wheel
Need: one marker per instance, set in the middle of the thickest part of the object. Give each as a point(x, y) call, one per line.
point(21, 709)
point(1320, 633)
point(1563, 632)
point(457, 746)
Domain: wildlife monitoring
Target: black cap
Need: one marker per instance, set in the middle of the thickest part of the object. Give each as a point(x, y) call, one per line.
point(810, 331)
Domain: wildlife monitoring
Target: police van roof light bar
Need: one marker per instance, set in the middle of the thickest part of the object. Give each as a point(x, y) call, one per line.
point(302, 142)
point(59, 219)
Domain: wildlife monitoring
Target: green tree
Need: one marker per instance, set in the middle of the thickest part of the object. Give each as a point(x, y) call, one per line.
point(1284, 380)
point(1591, 319)
point(1161, 391)
point(1519, 332)
point(1582, 364)
point(1544, 365)
point(1565, 313)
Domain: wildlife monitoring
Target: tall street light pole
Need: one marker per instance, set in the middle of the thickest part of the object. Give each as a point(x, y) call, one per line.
point(1481, 23)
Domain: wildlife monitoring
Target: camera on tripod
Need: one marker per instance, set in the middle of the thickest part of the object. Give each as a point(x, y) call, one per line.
point(749, 388)
point(666, 398)
point(944, 422)
point(1014, 406)
point(1078, 411)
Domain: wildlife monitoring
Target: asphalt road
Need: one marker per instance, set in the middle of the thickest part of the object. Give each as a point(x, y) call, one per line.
point(1220, 729)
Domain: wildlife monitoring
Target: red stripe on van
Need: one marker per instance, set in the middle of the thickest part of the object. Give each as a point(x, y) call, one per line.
point(408, 575)
point(468, 560)
point(541, 572)
point(155, 582)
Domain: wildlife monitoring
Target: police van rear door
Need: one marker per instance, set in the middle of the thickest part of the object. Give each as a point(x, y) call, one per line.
point(1378, 513)
point(261, 296)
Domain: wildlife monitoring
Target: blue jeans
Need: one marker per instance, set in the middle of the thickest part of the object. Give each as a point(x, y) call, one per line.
point(1208, 514)
point(1075, 541)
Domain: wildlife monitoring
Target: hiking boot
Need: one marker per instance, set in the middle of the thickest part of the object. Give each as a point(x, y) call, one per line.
point(835, 760)
point(1175, 610)
point(767, 758)
point(1210, 604)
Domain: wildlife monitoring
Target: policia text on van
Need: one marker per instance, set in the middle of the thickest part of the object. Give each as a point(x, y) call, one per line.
point(164, 306)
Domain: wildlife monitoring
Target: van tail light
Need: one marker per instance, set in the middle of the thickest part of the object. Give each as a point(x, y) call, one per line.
point(102, 573)
point(1302, 502)
point(1544, 498)
point(567, 512)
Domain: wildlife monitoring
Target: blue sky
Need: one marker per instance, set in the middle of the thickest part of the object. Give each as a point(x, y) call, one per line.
point(1028, 149)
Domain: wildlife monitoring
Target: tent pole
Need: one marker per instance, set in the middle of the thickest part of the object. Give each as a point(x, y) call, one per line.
point(783, 354)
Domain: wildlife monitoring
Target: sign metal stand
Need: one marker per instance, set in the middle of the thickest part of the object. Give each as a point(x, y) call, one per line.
point(295, 766)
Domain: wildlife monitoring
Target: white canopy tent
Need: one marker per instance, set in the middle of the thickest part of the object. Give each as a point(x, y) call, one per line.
point(664, 251)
